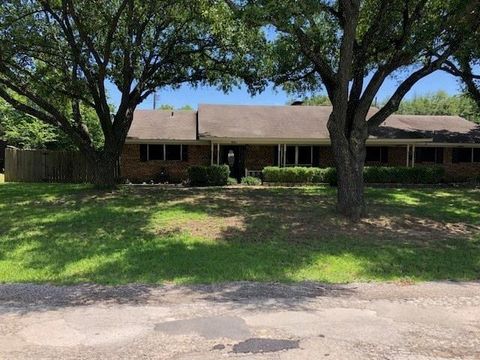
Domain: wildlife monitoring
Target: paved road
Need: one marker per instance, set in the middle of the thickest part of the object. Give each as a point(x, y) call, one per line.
point(241, 320)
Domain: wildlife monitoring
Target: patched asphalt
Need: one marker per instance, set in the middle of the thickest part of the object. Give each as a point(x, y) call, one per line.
point(241, 320)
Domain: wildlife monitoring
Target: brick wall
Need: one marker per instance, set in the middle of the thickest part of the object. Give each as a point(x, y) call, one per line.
point(460, 171)
point(133, 169)
point(259, 156)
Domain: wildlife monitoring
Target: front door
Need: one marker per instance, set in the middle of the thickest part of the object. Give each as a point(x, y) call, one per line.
point(234, 157)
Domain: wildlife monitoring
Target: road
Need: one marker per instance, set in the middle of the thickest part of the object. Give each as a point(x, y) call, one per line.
point(241, 320)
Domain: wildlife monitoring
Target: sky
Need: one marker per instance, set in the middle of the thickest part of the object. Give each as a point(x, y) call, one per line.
point(187, 95)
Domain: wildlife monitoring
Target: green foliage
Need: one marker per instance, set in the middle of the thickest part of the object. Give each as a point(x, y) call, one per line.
point(317, 100)
point(404, 175)
point(27, 132)
point(216, 175)
point(135, 235)
point(251, 180)
point(300, 175)
point(373, 174)
point(232, 181)
point(441, 103)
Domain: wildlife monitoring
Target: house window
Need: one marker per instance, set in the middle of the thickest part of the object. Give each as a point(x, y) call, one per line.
point(377, 154)
point(163, 152)
point(304, 155)
point(476, 155)
point(173, 152)
point(290, 155)
point(429, 155)
point(299, 155)
point(461, 155)
point(155, 152)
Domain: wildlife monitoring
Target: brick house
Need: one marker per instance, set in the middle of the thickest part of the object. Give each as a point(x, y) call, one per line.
point(161, 145)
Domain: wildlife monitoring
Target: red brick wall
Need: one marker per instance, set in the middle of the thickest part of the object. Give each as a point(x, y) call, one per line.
point(259, 156)
point(137, 171)
point(460, 171)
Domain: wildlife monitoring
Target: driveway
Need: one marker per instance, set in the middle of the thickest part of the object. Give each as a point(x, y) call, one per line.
point(241, 320)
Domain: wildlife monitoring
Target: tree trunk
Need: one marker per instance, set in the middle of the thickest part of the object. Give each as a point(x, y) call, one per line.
point(349, 153)
point(105, 171)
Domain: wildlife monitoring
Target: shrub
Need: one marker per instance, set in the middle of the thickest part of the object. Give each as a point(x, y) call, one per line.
point(404, 175)
point(251, 180)
point(208, 175)
point(374, 174)
point(232, 181)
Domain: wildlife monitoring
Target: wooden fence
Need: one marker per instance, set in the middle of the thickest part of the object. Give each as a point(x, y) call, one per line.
point(47, 166)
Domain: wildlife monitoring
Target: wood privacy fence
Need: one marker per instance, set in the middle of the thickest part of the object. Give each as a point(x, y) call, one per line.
point(47, 166)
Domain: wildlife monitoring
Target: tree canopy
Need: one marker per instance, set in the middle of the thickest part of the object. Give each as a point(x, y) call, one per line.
point(441, 103)
point(58, 56)
point(349, 48)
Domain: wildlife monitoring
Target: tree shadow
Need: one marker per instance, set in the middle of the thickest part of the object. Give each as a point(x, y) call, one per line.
point(70, 235)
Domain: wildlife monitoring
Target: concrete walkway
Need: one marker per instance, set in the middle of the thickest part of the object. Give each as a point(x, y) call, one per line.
point(241, 320)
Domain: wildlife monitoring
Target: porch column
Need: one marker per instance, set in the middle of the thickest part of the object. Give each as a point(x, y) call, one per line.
point(279, 155)
point(413, 155)
point(211, 153)
point(408, 155)
point(218, 154)
point(284, 155)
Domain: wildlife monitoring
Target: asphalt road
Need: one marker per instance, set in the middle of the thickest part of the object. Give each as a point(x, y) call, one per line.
point(241, 320)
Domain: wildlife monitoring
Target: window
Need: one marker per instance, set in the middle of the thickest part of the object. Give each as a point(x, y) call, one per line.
point(429, 155)
point(155, 152)
point(476, 155)
point(299, 155)
point(461, 155)
point(304, 155)
point(374, 154)
point(290, 155)
point(173, 152)
point(377, 154)
point(163, 152)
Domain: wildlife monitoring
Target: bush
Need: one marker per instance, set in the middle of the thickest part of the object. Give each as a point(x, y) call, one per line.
point(232, 181)
point(299, 175)
point(404, 175)
point(208, 175)
point(251, 180)
point(374, 174)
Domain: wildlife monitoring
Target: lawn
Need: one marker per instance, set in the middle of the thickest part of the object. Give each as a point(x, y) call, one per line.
point(74, 234)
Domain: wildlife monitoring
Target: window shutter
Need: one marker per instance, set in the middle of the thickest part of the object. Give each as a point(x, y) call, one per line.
point(316, 156)
point(184, 152)
point(143, 152)
point(439, 155)
point(384, 155)
point(275, 156)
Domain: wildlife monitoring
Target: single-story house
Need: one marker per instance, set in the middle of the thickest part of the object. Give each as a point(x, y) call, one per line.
point(249, 138)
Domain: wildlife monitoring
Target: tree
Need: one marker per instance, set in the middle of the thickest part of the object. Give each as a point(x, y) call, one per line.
point(349, 48)
point(57, 57)
point(441, 103)
point(27, 132)
point(464, 64)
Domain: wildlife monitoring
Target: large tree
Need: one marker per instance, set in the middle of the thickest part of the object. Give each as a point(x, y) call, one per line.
point(349, 48)
point(57, 56)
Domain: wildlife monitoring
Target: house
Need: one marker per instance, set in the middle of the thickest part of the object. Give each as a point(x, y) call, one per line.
point(249, 138)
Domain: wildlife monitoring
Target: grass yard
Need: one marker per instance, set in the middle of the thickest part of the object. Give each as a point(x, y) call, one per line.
point(72, 233)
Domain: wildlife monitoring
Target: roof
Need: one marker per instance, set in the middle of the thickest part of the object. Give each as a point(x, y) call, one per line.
point(163, 125)
point(442, 129)
point(265, 122)
point(287, 123)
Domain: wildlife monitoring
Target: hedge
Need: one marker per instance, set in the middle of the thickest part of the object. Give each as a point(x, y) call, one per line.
point(251, 180)
point(374, 174)
point(208, 175)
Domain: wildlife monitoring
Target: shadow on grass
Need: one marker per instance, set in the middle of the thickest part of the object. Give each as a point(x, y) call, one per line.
point(72, 234)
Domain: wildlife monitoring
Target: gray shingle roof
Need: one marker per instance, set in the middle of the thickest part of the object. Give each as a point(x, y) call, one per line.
point(287, 122)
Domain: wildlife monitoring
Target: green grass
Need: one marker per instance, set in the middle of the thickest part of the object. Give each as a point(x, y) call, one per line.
point(74, 234)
